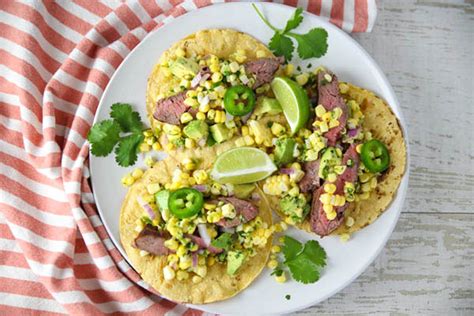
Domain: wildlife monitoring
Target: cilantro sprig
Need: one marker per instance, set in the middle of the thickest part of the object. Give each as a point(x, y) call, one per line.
point(312, 44)
point(125, 129)
point(305, 262)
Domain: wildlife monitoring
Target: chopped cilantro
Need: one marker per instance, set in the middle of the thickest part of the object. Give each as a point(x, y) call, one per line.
point(224, 241)
point(304, 261)
point(278, 272)
point(288, 296)
point(104, 135)
point(312, 44)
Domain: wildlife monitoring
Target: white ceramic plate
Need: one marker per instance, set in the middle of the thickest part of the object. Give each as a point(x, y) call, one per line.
point(346, 58)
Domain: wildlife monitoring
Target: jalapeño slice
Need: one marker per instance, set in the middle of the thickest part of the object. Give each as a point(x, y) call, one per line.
point(375, 156)
point(185, 202)
point(239, 100)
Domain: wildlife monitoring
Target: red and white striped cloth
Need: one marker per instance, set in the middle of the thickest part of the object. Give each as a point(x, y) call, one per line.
point(56, 59)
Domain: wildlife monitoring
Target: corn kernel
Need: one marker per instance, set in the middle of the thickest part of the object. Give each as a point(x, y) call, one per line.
point(181, 251)
point(350, 221)
point(189, 143)
point(182, 275)
point(171, 244)
point(359, 148)
point(186, 117)
point(373, 183)
point(323, 127)
point(328, 208)
point(144, 147)
point(169, 146)
point(241, 58)
point(216, 77)
point(168, 273)
point(210, 206)
point(328, 77)
point(276, 249)
point(281, 278)
point(320, 110)
point(245, 130)
point(137, 173)
point(128, 180)
point(289, 69)
point(211, 261)
point(149, 161)
point(156, 146)
point(283, 226)
point(333, 123)
point(302, 79)
point(277, 129)
point(180, 52)
point(249, 140)
point(190, 102)
point(365, 187)
point(272, 264)
point(191, 93)
point(332, 177)
point(201, 116)
point(330, 188)
point(343, 88)
point(152, 188)
point(345, 237)
point(201, 271)
point(234, 67)
point(332, 215)
point(240, 142)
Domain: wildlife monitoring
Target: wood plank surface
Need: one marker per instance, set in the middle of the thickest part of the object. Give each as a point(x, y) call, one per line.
point(425, 269)
point(426, 49)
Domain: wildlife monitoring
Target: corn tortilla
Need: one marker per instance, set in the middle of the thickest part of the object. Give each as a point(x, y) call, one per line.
point(217, 285)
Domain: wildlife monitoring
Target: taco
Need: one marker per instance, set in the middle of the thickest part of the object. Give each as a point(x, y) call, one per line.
point(205, 86)
point(348, 162)
point(192, 240)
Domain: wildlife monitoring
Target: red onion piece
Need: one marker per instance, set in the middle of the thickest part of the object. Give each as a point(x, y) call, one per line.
point(287, 170)
point(146, 207)
point(353, 132)
point(195, 259)
point(245, 118)
point(196, 80)
point(229, 230)
point(204, 78)
point(202, 228)
point(255, 196)
point(200, 187)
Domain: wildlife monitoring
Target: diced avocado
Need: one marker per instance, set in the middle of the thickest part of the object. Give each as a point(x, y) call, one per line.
point(294, 207)
point(267, 105)
point(243, 191)
point(196, 130)
point(284, 151)
point(184, 66)
point(329, 159)
point(235, 259)
point(220, 132)
point(161, 199)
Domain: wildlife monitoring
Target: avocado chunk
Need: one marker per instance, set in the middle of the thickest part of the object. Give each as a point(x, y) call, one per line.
point(220, 132)
point(329, 159)
point(243, 191)
point(284, 150)
point(161, 199)
point(294, 207)
point(196, 130)
point(235, 259)
point(184, 66)
point(267, 105)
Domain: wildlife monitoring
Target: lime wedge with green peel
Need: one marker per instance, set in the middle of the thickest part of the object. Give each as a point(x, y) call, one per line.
point(294, 102)
point(242, 165)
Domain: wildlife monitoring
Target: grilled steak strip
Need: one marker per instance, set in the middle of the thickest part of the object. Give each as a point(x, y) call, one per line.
point(310, 180)
point(152, 241)
point(245, 211)
point(318, 220)
point(263, 69)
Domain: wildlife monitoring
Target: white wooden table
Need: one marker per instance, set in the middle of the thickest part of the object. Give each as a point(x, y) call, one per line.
point(426, 48)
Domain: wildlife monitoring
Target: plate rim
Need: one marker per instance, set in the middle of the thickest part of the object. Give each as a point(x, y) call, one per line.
point(401, 190)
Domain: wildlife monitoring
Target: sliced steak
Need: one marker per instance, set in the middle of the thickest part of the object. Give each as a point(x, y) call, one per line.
point(310, 180)
point(202, 245)
point(263, 69)
point(245, 211)
point(318, 220)
point(152, 241)
point(169, 110)
point(330, 98)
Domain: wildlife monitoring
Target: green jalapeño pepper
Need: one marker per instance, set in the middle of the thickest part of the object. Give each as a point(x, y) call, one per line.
point(239, 100)
point(185, 202)
point(375, 156)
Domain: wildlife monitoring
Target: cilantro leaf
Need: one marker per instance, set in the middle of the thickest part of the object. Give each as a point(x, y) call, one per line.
point(128, 119)
point(291, 247)
point(312, 44)
point(224, 241)
point(304, 270)
point(304, 262)
point(127, 149)
point(281, 45)
point(294, 21)
point(103, 136)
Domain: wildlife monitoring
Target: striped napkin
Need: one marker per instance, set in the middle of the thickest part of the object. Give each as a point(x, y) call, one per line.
point(56, 59)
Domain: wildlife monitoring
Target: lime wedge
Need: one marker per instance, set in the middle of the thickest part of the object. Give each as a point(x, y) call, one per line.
point(242, 165)
point(294, 102)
